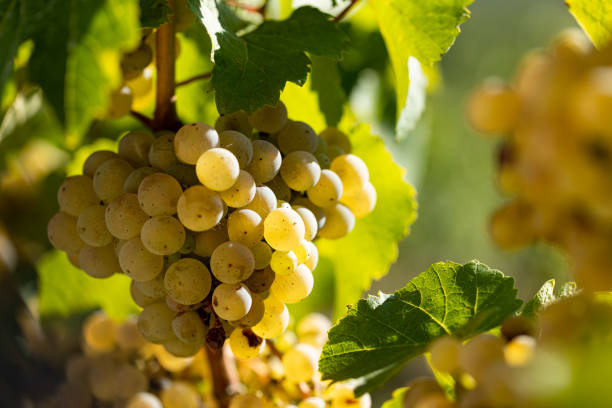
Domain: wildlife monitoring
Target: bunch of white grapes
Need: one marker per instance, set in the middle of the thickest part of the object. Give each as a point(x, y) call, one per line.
point(555, 158)
point(214, 225)
point(286, 373)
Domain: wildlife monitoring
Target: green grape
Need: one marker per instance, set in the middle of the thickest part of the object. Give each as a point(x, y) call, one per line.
point(102, 380)
point(262, 254)
point(334, 137)
point(187, 281)
point(73, 258)
point(260, 280)
point(142, 85)
point(163, 235)
point(128, 337)
point(63, 234)
point(280, 188)
point(312, 402)
point(99, 332)
point(133, 63)
point(199, 208)
point(153, 288)
point(300, 362)
point(92, 227)
point(479, 353)
point(263, 202)
point(300, 170)
point(189, 328)
point(76, 194)
point(266, 161)
point(307, 254)
point(294, 286)
point(109, 178)
point(245, 344)
point(284, 229)
point(192, 140)
point(241, 193)
point(493, 108)
point(99, 262)
point(255, 314)
point(312, 329)
point(158, 194)
point(245, 226)
point(140, 298)
point(339, 221)
point(207, 241)
point(245, 401)
point(169, 361)
point(445, 354)
point(311, 224)
point(362, 202)
point(180, 394)
point(155, 322)
point(232, 262)
point(180, 348)
point(327, 191)
point(161, 153)
point(134, 147)
point(318, 212)
point(297, 136)
point(269, 119)
point(239, 145)
point(138, 263)
point(238, 121)
point(95, 159)
point(184, 174)
point(217, 169)
point(323, 159)
point(283, 262)
point(519, 351)
point(132, 182)
point(275, 319)
point(129, 380)
point(231, 301)
point(144, 400)
point(352, 171)
point(120, 103)
point(124, 217)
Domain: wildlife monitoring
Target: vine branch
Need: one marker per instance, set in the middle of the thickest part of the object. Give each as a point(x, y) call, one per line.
point(165, 101)
point(194, 78)
point(226, 381)
point(345, 11)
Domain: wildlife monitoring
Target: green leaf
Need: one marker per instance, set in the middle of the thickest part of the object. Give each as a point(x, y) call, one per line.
point(326, 82)
point(545, 296)
point(12, 19)
point(154, 13)
point(595, 18)
point(76, 57)
point(397, 399)
point(383, 332)
point(251, 70)
point(65, 290)
point(424, 30)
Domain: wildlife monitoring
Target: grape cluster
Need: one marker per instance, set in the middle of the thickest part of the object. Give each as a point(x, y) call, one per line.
point(556, 154)
point(214, 225)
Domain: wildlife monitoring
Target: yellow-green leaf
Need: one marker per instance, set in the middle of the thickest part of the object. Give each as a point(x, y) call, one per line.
point(595, 17)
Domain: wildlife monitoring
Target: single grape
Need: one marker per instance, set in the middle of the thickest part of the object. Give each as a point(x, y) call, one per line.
point(231, 301)
point(334, 137)
point(339, 221)
point(284, 229)
point(238, 121)
point(130, 381)
point(124, 217)
point(133, 63)
point(275, 320)
point(232, 262)
point(94, 161)
point(245, 226)
point(300, 362)
point(294, 286)
point(311, 224)
point(76, 194)
point(92, 227)
point(189, 328)
point(362, 202)
point(318, 212)
point(352, 171)
point(245, 344)
point(256, 313)
point(283, 262)
point(180, 348)
point(188, 281)
point(73, 258)
point(134, 147)
point(308, 254)
point(102, 380)
point(127, 336)
point(158, 194)
point(445, 354)
point(266, 161)
point(132, 182)
point(99, 332)
point(207, 241)
point(155, 322)
point(163, 235)
point(199, 208)
point(297, 136)
point(493, 108)
point(313, 328)
point(138, 263)
point(345, 397)
point(142, 85)
point(63, 233)
point(280, 188)
point(153, 288)
point(180, 394)
point(217, 169)
point(260, 280)
point(239, 145)
point(109, 178)
point(144, 400)
point(161, 153)
point(262, 254)
point(300, 170)
point(269, 119)
point(422, 389)
point(241, 193)
point(519, 351)
point(327, 191)
point(140, 298)
point(263, 202)
point(169, 361)
point(99, 262)
point(194, 139)
point(479, 353)
point(120, 103)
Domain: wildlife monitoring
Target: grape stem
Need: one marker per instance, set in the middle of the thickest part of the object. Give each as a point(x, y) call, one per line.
point(345, 11)
point(194, 78)
point(165, 101)
point(145, 120)
point(259, 10)
point(226, 381)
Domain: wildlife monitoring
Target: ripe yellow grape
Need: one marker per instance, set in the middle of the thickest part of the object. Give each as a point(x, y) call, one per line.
point(137, 262)
point(479, 353)
point(334, 137)
point(144, 400)
point(352, 171)
point(142, 85)
point(187, 281)
point(109, 178)
point(297, 136)
point(189, 328)
point(128, 337)
point(155, 322)
point(300, 362)
point(339, 221)
point(241, 193)
point(199, 208)
point(180, 394)
point(300, 170)
point(171, 362)
point(327, 191)
point(245, 344)
point(239, 145)
point(158, 194)
point(263, 202)
point(129, 381)
point(284, 229)
point(132, 182)
point(140, 298)
point(312, 402)
point(280, 188)
point(256, 313)
point(245, 401)
point(294, 286)
point(194, 139)
point(163, 235)
point(260, 280)
point(133, 63)
point(92, 227)
point(262, 254)
point(347, 399)
point(180, 348)
point(124, 217)
point(313, 328)
point(519, 351)
point(134, 147)
point(592, 101)
point(266, 161)
point(161, 153)
point(238, 121)
point(120, 102)
point(245, 226)
point(445, 354)
point(207, 241)
point(217, 169)
point(311, 224)
point(308, 254)
point(275, 319)
point(95, 159)
point(63, 234)
point(231, 301)
point(362, 202)
point(493, 108)
point(99, 332)
point(99, 262)
point(232, 262)
point(76, 194)
point(283, 262)
point(269, 119)
point(318, 212)
point(154, 288)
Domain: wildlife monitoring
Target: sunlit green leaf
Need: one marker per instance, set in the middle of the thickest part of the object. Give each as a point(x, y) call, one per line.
point(12, 20)
point(595, 17)
point(397, 399)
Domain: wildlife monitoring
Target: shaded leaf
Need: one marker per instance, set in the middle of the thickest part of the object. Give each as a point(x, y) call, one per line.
point(545, 296)
point(154, 13)
point(326, 82)
point(12, 20)
point(595, 17)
